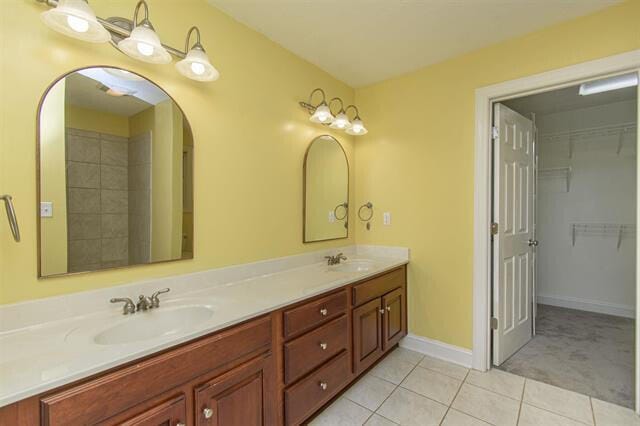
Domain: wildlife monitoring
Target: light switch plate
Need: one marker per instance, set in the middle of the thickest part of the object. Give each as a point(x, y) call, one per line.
point(46, 209)
point(386, 218)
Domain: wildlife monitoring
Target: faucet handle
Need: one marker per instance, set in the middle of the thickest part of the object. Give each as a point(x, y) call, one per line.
point(128, 308)
point(155, 301)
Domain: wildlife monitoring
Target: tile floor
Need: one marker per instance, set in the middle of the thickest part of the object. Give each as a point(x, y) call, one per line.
point(407, 388)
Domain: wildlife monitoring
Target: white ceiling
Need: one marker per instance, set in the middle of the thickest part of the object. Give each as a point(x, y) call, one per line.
point(365, 41)
point(567, 99)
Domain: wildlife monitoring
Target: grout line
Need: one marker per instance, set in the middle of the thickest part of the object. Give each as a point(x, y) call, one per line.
point(454, 397)
point(445, 374)
point(393, 391)
point(593, 412)
point(524, 385)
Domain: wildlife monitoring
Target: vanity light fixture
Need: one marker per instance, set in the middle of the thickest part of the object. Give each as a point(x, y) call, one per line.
point(196, 65)
point(143, 43)
point(137, 39)
point(321, 113)
point(76, 19)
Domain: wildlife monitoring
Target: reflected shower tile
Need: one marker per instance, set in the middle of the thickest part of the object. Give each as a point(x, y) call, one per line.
point(83, 175)
point(114, 153)
point(115, 249)
point(115, 225)
point(84, 252)
point(113, 138)
point(83, 226)
point(83, 149)
point(114, 177)
point(83, 200)
point(114, 201)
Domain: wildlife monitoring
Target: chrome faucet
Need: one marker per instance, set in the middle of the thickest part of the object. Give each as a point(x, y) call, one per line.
point(335, 260)
point(144, 303)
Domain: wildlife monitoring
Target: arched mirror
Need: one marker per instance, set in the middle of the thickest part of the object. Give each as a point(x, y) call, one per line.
point(115, 187)
point(326, 191)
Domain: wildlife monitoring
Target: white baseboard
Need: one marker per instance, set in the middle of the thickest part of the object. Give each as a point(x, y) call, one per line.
point(626, 311)
point(437, 349)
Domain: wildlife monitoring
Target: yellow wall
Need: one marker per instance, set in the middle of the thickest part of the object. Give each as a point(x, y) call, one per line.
point(249, 133)
point(417, 160)
point(97, 121)
point(327, 185)
point(54, 181)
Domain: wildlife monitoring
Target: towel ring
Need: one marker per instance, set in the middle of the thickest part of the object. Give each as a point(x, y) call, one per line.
point(346, 211)
point(369, 206)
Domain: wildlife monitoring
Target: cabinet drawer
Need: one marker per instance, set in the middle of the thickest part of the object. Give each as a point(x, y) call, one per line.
point(172, 412)
point(312, 314)
point(378, 286)
point(98, 399)
point(306, 396)
point(312, 349)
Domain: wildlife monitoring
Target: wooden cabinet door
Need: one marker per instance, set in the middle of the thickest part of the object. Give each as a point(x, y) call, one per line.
point(169, 413)
point(233, 399)
point(394, 322)
point(367, 335)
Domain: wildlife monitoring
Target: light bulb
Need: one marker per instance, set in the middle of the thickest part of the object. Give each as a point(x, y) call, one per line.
point(357, 128)
point(321, 115)
point(197, 68)
point(341, 122)
point(145, 49)
point(78, 25)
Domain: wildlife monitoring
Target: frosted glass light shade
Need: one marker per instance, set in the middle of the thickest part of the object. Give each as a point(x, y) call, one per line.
point(144, 44)
point(322, 115)
point(357, 128)
point(196, 66)
point(341, 122)
point(75, 18)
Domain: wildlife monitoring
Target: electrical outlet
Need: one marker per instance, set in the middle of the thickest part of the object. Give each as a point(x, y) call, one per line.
point(386, 218)
point(332, 217)
point(46, 209)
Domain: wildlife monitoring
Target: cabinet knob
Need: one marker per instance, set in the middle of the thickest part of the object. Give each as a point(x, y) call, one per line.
point(382, 311)
point(323, 346)
point(208, 413)
point(324, 312)
point(323, 385)
point(388, 308)
point(180, 424)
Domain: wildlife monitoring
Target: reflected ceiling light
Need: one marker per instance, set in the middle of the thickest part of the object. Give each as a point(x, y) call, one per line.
point(321, 113)
point(75, 18)
point(143, 43)
point(196, 65)
point(116, 91)
point(608, 84)
point(357, 126)
point(123, 74)
point(341, 122)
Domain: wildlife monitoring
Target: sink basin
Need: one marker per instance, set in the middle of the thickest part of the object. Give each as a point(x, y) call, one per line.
point(355, 265)
point(154, 323)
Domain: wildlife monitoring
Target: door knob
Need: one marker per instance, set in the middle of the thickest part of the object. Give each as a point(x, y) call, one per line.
point(208, 413)
point(533, 243)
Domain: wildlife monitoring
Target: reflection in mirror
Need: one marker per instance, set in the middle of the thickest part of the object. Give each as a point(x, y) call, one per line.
point(326, 191)
point(115, 157)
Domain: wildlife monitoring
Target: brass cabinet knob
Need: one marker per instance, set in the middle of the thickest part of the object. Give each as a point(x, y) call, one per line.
point(208, 413)
point(388, 308)
point(323, 385)
point(323, 346)
point(324, 312)
point(382, 311)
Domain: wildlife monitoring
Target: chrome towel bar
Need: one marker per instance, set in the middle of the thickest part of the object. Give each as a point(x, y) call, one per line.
point(11, 216)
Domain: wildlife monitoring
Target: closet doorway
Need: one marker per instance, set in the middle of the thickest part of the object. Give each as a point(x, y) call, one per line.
point(564, 251)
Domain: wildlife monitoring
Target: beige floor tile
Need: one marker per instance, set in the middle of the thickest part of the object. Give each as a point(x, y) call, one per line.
point(407, 408)
point(432, 385)
point(497, 381)
point(377, 420)
point(485, 405)
point(608, 414)
point(392, 370)
point(560, 401)
point(457, 418)
point(533, 416)
point(406, 355)
point(370, 391)
point(342, 413)
point(444, 367)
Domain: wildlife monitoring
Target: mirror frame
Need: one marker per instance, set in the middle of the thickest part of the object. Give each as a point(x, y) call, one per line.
point(304, 191)
point(38, 176)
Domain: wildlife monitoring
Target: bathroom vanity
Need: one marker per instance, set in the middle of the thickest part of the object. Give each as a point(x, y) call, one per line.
point(279, 367)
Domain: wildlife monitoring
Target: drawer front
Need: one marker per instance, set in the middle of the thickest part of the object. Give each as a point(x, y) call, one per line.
point(378, 286)
point(98, 399)
point(312, 314)
point(312, 349)
point(308, 395)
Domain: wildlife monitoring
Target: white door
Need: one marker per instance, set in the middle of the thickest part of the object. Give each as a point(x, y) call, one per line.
point(512, 246)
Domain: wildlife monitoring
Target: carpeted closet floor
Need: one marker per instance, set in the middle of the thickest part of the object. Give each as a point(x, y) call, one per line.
point(580, 351)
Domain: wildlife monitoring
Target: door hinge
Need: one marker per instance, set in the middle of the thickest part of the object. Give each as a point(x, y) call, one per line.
point(495, 133)
point(494, 323)
point(494, 228)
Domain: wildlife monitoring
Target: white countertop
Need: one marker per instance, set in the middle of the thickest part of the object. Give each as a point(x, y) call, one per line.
point(42, 356)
